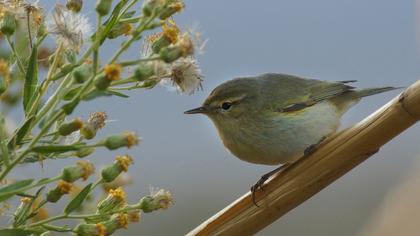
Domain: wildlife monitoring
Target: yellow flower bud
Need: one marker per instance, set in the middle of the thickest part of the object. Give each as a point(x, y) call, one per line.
point(70, 127)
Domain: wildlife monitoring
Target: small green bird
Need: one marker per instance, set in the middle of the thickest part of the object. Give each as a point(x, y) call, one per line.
point(272, 118)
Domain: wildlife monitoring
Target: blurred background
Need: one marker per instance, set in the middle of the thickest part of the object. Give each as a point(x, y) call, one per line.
point(376, 42)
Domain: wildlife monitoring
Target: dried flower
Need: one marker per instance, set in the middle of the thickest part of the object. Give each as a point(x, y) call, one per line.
point(185, 75)
point(97, 119)
point(70, 28)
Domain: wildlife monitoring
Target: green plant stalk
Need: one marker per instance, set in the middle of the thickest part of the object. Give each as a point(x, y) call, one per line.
point(53, 100)
point(96, 52)
point(22, 155)
point(137, 61)
point(16, 55)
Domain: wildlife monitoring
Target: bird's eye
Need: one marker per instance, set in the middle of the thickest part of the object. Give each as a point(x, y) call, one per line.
point(226, 106)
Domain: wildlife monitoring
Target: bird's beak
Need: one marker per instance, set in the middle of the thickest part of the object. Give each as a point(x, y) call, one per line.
point(199, 110)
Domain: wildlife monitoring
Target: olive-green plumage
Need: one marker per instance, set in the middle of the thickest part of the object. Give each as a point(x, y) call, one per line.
point(271, 118)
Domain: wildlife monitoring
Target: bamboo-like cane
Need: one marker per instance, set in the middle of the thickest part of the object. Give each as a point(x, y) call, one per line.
point(309, 175)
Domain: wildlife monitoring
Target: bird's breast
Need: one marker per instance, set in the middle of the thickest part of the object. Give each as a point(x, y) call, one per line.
point(283, 137)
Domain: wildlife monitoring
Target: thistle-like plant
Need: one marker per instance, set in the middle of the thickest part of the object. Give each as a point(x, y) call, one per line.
point(49, 131)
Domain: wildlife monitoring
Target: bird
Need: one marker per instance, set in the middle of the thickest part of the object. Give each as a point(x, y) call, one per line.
point(275, 119)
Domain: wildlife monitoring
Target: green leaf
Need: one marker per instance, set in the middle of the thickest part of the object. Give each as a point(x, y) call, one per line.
point(16, 139)
point(78, 200)
point(31, 79)
point(14, 188)
point(103, 93)
point(15, 232)
point(55, 148)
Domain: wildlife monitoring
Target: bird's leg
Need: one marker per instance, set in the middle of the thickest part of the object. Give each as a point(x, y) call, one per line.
point(260, 183)
point(312, 148)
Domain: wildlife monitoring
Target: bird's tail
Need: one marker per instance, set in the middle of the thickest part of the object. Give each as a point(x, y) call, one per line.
point(371, 91)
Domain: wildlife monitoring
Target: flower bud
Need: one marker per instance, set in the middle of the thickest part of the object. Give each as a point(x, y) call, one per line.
point(88, 131)
point(121, 164)
point(160, 43)
point(172, 8)
point(70, 127)
point(114, 201)
point(82, 73)
point(168, 36)
point(103, 7)
point(117, 221)
point(90, 230)
point(126, 139)
point(144, 70)
point(161, 199)
point(183, 48)
point(84, 152)
point(55, 194)
point(74, 5)
point(120, 29)
point(170, 54)
point(101, 82)
point(7, 23)
point(22, 211)
point(150, 6)
point(82, 169)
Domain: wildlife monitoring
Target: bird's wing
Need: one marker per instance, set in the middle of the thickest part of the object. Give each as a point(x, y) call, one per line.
point(303, 93)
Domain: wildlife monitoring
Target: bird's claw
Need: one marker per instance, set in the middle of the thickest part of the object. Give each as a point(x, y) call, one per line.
point(256, 186)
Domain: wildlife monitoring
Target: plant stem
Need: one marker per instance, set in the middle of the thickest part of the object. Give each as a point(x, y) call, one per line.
point(96, 51)
point(34, 141)
point(15, 54)
point(137, 61)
